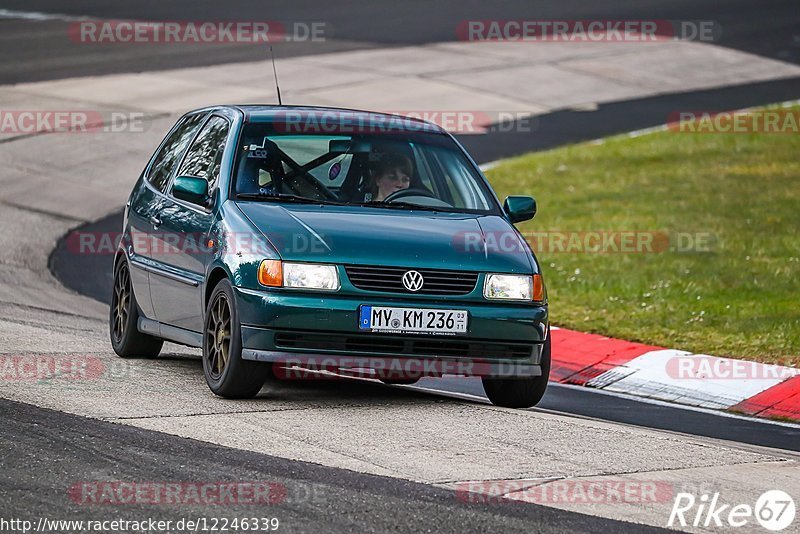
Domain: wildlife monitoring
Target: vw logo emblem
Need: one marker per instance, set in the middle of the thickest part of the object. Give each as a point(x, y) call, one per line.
point(413, 280)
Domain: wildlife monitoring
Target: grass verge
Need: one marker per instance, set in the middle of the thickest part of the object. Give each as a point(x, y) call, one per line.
point(722, 272)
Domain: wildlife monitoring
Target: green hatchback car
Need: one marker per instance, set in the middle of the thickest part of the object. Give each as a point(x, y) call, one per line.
point(282, 239)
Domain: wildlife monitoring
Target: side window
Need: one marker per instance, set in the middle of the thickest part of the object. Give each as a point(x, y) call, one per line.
point(205, 155)
point(171, 151)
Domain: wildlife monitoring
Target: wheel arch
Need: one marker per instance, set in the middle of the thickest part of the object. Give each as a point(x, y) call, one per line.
point(120, 253)
point(214, 277)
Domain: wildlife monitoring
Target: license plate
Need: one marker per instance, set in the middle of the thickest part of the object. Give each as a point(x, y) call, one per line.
point(416, 320)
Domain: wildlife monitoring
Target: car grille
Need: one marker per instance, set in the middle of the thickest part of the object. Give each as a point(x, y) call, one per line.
point(405, 345)
point(390, 279)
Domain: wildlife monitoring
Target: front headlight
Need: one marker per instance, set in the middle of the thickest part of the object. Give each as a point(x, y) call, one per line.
point(508, 287)
point(277, 273)
point(310, 276)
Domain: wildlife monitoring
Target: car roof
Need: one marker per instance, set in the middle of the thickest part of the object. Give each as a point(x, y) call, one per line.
point(270, 113)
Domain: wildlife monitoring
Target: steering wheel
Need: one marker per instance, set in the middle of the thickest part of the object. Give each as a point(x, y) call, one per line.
point(410, 192)
point(426, 198)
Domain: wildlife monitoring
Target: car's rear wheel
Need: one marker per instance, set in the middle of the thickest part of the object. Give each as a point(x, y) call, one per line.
point(227, 374)
point(123, 319)
point(521, 392)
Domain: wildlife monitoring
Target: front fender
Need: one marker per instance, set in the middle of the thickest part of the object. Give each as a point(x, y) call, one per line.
point(239, 248)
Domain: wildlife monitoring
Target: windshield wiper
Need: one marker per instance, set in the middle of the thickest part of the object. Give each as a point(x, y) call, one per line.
point(401, 206)
point(282, 197)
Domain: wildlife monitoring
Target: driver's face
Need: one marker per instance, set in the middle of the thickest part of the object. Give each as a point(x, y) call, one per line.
point(391, 181)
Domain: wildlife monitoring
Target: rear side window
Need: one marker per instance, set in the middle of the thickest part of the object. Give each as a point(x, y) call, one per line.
point(172, 149)
point(205, 155)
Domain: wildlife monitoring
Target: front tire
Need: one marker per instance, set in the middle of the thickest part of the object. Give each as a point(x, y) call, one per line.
point(226, 373)
point(123, 319)
point(520, 392)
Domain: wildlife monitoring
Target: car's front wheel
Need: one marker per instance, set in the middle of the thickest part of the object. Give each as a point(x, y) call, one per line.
point(521, 392)
point(227, 374)
point(123, 319)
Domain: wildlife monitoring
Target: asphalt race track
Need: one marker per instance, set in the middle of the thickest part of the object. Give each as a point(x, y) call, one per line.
point(316, 495)
point(768, 29)
point(347, 455)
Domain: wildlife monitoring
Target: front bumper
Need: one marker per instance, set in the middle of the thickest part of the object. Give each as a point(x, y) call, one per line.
point(321, 330)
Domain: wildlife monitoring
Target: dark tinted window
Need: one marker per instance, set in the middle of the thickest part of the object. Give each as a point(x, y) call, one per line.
point(361, 169)
point(171, 151)
point(205, 155)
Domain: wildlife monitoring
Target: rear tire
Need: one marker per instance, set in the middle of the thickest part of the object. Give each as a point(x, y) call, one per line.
point(520, 392)
point(123, 319)
point(226, 373)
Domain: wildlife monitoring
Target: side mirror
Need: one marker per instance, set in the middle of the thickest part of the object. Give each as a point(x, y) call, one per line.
point(520, 209)
point(191, 189)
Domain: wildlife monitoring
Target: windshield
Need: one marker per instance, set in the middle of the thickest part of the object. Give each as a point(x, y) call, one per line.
point(414, 170)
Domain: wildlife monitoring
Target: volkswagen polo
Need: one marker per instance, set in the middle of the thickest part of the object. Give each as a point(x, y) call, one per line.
point(277, 237)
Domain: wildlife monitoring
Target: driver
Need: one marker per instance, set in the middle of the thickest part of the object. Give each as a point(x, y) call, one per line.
point(391, 173)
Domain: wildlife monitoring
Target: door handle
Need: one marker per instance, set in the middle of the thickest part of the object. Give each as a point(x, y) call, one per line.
point(155, 221)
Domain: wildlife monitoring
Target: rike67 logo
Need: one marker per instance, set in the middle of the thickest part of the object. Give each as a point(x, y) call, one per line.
point(774, 510)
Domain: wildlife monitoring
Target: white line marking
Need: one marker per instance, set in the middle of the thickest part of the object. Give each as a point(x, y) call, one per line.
point(656, 374)
point(484, 400)
point(39, 16)
point(677, 406)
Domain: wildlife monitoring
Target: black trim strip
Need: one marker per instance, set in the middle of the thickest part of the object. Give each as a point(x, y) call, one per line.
point(166, 274)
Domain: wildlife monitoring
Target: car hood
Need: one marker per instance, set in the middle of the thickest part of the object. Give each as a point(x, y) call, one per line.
point(403, 238)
